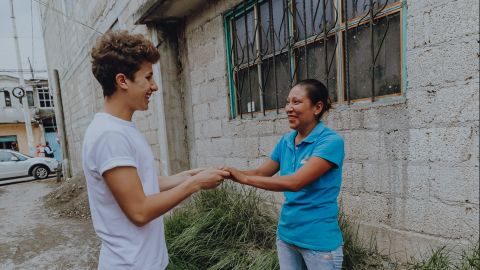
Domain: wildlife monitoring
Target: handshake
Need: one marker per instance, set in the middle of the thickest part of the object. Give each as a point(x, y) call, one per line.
point(208, 178)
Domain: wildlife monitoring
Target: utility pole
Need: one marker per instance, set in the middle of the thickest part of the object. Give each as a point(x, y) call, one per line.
point(26, 113)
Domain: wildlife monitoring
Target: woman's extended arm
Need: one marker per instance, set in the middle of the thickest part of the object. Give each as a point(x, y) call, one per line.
point(312, 170)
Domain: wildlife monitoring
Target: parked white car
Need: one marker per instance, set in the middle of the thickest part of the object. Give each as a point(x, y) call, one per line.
point(14, 164)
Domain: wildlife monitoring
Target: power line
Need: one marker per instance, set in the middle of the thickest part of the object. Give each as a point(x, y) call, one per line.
point(66, 16)
point(22, 71)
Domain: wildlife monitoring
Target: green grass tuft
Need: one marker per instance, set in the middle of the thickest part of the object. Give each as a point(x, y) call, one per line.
point(223, 229)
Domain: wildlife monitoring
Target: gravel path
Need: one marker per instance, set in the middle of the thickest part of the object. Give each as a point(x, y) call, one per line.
point(31, 238)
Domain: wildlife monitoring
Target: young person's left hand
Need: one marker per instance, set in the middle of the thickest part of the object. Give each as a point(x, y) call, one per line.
point(189, 173)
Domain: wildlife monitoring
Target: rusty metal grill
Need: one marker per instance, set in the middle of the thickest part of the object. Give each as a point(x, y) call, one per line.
point(353, 47)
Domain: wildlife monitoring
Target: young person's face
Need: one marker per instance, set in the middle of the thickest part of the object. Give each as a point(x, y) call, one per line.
point(141, 88)
point(300, 110)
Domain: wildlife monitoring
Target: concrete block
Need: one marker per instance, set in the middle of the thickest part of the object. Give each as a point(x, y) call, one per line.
point(431, 105)
point(239, 163)
point(352, 180)
point(443, 64)
point(281, 126)
point(203, 147)
point(222, 147)
point(219, 109)
point(376, 177)
point(200, 112)
point(368, 207)
point(256, 128)
point(371, 120)
point(215, 161)
point(151, 137)
point(234, 128)
point(395, 144)
point(436, 218)
point(426, 26)
point(455, 184)
point(246, 147)
point(440, 144)
point(255, 163)
point(425, 4)
point(267, 144)
point(417, 183)
point(363, 145)
point(213, 128)
point(198, 129)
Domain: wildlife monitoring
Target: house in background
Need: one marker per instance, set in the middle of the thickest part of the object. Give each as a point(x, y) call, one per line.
point(403, 75)
point(13, 132)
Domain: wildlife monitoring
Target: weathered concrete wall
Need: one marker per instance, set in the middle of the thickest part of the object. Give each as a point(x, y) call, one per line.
point(412, 162)
point(68, 45)
point(411, 168)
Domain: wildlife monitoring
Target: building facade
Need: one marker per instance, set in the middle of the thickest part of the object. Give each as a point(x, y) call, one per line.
point(403, 75)
point(13, 134)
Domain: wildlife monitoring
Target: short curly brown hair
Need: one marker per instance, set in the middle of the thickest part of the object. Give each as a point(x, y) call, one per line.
point(120, 52)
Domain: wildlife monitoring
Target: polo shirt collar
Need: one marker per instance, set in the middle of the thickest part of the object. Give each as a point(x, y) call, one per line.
point(318, 129)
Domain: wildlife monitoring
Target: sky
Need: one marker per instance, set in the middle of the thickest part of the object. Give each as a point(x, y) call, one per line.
point(31, 45)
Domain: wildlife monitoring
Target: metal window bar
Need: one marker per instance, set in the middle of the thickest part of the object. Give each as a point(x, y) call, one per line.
point(372, 16)
point(261, 51)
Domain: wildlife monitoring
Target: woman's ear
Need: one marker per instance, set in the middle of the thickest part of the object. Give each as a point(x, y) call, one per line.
point(318, 108)
point(121, 81)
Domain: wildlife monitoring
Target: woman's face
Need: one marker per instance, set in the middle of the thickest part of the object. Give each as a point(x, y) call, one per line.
point(300, 110)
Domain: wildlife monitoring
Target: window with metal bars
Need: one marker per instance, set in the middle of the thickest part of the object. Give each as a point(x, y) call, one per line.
point(352, 46)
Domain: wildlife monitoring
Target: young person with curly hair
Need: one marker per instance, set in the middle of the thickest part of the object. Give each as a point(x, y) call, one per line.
point(127, 198)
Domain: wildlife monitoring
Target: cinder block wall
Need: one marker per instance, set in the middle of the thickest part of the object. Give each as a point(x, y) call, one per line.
point(411, 170)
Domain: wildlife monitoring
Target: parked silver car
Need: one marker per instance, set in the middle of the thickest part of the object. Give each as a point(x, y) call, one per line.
point(14, 164)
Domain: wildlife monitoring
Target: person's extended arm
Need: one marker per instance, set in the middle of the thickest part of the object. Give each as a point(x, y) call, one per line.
point(268, 168)
point(126, 187)
point(312, 170)
point(169, 182)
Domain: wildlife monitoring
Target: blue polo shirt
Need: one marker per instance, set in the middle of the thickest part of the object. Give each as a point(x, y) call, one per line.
point(309, 217)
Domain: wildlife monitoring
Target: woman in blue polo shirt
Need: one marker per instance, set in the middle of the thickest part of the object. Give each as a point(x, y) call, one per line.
point(310, 160)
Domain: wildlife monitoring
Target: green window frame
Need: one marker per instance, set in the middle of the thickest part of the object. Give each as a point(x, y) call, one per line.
point(265, 57)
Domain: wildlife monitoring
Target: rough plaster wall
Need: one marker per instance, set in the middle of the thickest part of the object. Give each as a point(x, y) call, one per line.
point(173, 96)
point(411, 168)
point(68, 50)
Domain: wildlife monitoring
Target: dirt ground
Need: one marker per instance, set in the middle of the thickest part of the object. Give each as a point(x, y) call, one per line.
point(33, 236)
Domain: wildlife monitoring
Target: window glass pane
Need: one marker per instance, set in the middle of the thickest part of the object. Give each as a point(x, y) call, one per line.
point(248, 90)
point(312, 21)
point(359, 8)
point(279, 22)
point(281, 71)
point(241, 34)
point(5, 156)
point(387, 66)
point(21, 158)
point(8, 101)
point(30, 98)
point(318, 63)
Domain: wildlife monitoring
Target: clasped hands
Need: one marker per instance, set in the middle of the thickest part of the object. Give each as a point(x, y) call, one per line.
point(208, 178)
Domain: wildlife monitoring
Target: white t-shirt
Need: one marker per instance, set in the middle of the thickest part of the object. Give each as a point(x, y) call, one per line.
point(112, 142)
